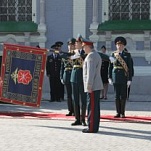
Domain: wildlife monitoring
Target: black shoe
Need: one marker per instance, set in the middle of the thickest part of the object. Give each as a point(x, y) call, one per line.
point(117, 116)
point(84, 123)
point(69, 114)
point(87, 131)
point(58, 100)
point(122, 116)
point(76, 123)
point(52, 101)
point(62, 99)
point(102, 98)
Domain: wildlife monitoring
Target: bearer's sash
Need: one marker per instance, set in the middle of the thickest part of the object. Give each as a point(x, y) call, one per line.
point(122, 62)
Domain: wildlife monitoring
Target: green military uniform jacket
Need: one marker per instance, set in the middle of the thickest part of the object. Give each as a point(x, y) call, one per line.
point(77, 71)
point(66, 68)
point(116, 70)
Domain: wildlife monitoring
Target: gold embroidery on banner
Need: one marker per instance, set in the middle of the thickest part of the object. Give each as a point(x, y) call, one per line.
point(37, 58)
point(14, 76)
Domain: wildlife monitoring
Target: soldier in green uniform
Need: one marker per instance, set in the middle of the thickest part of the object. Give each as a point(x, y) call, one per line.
point(77, 84)
point(65, 74)
point(120, 75)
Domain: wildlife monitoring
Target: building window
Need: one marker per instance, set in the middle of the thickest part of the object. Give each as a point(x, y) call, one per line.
point(15, 10)
point(129, 9)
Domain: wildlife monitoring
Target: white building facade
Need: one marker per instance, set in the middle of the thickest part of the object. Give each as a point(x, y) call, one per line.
point(43, 22)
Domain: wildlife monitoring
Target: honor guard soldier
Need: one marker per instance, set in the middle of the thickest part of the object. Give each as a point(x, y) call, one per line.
point(120, 75)
point(53, 66)
point(92, 85)
point(65, 74)
point(77, 84)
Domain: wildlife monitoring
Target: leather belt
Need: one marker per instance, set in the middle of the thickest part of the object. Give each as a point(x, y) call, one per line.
point(66, 69)
point(77, 66)
point(118, 67)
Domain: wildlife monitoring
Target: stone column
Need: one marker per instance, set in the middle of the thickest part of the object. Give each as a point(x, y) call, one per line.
point(108, 40)
point(79, 17)
point(95, 12)
point(147, 46)
point(94, 25)
point(42, 26)
point(27, 38)
point(146, 40)
point(105, 10)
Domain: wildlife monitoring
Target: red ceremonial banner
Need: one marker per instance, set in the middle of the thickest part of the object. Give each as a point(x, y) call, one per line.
point(22, 73)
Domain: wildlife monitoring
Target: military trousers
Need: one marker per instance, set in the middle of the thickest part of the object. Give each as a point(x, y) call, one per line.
point(55, 87)
point(69, 97)
point(93, 100)
point(80, 102)
point(62, 91)
point(120, 97)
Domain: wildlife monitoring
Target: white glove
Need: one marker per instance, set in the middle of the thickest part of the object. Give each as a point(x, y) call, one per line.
point(112, 59)
point(110, 81)
point(76, 56)
point(128, 83)
point(62, 81)
point(89, 88)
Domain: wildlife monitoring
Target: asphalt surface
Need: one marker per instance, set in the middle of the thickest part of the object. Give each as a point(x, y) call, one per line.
point(44, 134)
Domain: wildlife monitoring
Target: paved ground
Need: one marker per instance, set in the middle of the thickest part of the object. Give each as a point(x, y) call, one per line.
point(28, 134)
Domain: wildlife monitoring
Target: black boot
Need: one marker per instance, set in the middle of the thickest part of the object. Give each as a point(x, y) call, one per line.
point(77, 122)
point(69, 114)
point(118, 108)
point(123, 102)
point(70, 106)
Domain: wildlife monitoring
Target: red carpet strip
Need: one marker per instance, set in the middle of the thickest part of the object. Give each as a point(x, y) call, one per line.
point(64, 117)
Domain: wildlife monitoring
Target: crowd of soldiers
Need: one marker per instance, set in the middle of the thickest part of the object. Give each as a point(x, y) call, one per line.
point(65, 69)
